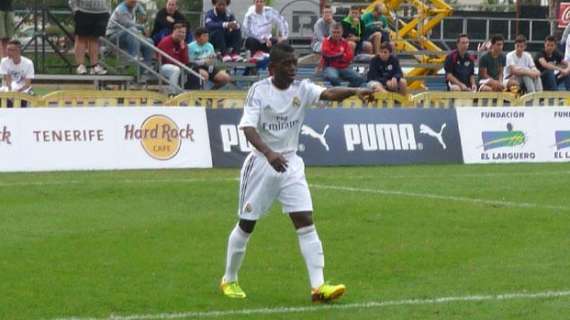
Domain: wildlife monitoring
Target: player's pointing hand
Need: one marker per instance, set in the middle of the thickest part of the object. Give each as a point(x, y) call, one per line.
point(366, 95)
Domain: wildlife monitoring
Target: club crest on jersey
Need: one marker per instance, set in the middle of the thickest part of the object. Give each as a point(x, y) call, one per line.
point(296, 102)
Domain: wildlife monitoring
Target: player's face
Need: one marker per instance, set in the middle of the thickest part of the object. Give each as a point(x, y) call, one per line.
point(549, 46)
point(285, 70)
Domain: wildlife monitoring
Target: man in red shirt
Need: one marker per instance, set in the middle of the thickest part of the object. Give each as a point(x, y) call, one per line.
point(175, 46)
point(336, 57)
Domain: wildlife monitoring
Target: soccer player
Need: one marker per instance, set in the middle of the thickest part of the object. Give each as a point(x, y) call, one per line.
point(273, 115)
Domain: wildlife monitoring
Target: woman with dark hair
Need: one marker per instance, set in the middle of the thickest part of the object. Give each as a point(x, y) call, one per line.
point(165, 20)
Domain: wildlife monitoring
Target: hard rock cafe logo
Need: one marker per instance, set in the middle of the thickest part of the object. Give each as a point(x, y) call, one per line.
point(160, 136)
point(564, 18)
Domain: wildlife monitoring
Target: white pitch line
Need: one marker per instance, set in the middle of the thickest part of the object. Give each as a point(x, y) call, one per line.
point(303, 309)
point(441, 197)
point(457, 175)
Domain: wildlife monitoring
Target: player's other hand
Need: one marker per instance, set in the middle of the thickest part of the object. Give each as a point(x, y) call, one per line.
point(277, 161)
point(366, 95)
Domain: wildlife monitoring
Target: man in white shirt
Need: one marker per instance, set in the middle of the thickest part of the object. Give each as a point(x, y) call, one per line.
point(17, 71)
point(520, 67)
point(257, 27)
point(273, 115)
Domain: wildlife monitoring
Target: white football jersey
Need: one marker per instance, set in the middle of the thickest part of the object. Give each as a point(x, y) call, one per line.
point(279, 114)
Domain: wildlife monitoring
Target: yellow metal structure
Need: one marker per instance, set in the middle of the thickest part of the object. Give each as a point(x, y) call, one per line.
point(445, 99)
point(90, 98)
point(429, 14)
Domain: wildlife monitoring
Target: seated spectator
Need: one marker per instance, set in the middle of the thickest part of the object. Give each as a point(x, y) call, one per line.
point(6, 25)
point(322, 28)
point(491, 66)
point(165, 20)
point(376, 27)
point(553, 69)
point(336, 57)
point(385, 73)
point(125, 16)
point(520, 67)
point(203, 57)
point(17, 71)
point(91, 18)
point(460, 67)
point(224, 31)
point(354, 31)
point(175, 46)
point(257, 27)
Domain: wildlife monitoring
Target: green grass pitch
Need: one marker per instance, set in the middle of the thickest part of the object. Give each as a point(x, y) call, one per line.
point(132, 243)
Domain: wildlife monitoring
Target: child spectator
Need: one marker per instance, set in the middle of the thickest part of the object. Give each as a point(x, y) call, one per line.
point(385, 73)
point(257, 28)
point(203, 58)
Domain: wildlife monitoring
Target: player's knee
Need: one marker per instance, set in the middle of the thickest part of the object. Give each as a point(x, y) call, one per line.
point(301, 219)
point(247, 225)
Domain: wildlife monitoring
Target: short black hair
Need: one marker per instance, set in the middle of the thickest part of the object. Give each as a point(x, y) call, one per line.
point(214, 2)
point(496, 38)
point(280, 52)
point(520, 39)
point(200, 31)
point(550, 38)
point(15, 42)
point(462, 35)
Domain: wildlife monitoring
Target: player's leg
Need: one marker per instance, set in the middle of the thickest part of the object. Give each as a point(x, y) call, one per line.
point(255, 197)
point(296, 200)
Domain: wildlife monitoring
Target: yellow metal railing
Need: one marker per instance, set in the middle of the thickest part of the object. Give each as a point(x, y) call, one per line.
point(236, 99)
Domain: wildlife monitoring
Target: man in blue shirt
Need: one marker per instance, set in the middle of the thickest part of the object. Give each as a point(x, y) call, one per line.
point(224, 31)
point(385, 73)
point(460, 67)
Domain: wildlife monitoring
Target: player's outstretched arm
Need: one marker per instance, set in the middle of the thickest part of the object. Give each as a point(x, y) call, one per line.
point(339, 94)
point(277, 161)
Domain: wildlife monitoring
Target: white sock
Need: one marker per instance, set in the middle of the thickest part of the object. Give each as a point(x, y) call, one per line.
point(312, 251)
point(236, 251)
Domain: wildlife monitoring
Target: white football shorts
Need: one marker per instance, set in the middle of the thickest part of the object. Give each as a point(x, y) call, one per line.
point(260, 185)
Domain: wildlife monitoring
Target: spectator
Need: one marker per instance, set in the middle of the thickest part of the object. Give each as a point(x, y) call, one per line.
point(520, 67)
point(165, 20)
point(322, 28)
point(257, 27)
point(6, 25)
point(175, 46)
point(354, 31)
point(460, 67)
point(91, 18)
point(203, 57)
point(491, 67)
point(336, 57)
point(17, 71)
point(376, 27)
point(224, 31)
point(385, 73)
point(553, 69)
point(125, 16)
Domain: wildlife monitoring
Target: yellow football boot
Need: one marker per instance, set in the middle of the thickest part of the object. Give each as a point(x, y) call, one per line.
point(232, 290)
point(327, 292)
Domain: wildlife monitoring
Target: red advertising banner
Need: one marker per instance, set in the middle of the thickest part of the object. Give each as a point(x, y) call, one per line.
point(563, 14)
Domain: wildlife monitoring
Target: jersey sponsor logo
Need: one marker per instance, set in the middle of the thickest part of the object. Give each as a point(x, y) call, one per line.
point(308, 131)
point(233, 137)
point(6, 136)
point(160, 136)
point(425, 129)
point(381, 137)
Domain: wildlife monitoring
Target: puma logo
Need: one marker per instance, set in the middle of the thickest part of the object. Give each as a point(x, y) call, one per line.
point(308, 131)
point(424, 129)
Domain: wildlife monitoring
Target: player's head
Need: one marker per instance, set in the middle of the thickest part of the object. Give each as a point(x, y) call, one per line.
point(13, 49)
point(385, 51)
point(497, 42)
point(463, 42)
point(550, 44)
point(201, 35)
point(283, 63)
point(520, 44)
